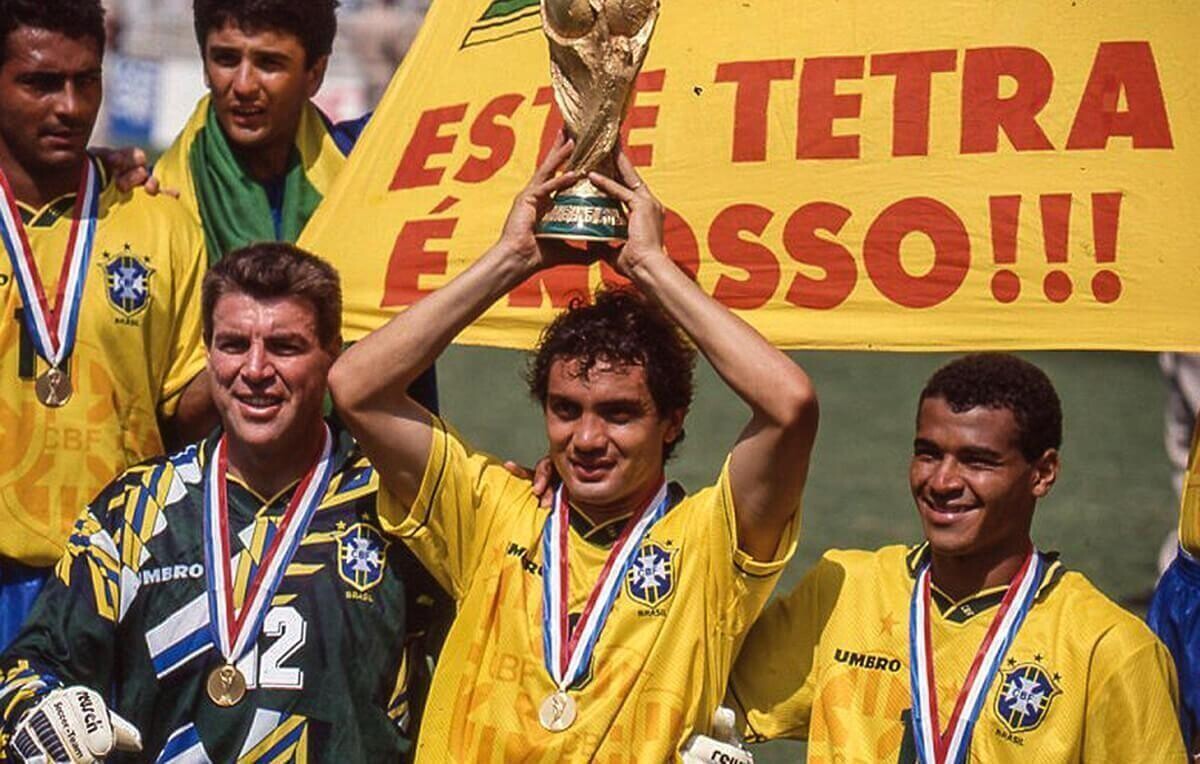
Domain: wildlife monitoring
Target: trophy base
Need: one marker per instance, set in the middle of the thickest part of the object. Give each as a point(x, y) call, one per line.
point(584, 218)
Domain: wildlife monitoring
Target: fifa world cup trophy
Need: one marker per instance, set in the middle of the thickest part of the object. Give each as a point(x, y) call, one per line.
point(596, 50)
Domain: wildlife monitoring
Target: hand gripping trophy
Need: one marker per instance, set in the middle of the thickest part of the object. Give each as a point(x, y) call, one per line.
point(596, 50)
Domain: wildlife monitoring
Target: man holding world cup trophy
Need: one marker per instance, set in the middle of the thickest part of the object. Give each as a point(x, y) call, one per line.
point(602, 628)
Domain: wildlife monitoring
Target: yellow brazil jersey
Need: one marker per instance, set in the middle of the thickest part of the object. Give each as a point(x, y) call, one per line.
point(319, 153)
point(137, 345)
point(660, 665)
point(1189, 508)
point(829, 662)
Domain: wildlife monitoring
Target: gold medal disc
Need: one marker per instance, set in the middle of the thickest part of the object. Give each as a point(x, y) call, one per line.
point(53, 388)
point(557, 711)
point(226, 686)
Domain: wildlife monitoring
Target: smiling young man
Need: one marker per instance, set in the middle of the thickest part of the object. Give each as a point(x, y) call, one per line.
point(973, 645)
point(602, 628)
point(236, 601)
point(99, 330)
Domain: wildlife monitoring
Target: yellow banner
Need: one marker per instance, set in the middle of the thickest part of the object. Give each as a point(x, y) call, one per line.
point(845, 174)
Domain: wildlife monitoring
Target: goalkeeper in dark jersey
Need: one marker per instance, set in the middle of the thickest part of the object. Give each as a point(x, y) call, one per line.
point(235, 601)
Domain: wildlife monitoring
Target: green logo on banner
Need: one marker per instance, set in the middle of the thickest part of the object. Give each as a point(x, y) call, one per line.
point(503, 19)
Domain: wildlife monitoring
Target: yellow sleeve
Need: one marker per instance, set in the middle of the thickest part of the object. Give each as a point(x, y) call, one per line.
point(1189, 507)
point(748, 582)
point(448, 524)
point(1132, 704)
point(773, 685)
point(186, 343)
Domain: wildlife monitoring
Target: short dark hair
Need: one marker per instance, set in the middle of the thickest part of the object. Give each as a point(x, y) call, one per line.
point(272, 270)
point(621, 328)
point(1003, 381)
point(313, 22)
point(72, 18)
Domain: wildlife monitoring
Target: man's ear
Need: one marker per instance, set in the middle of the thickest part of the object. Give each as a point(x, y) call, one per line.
point(316, 75)
point(335, 347)
point(1045, 472)
point(674, 425)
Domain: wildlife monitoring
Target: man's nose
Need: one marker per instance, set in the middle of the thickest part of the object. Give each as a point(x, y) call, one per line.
point(245, 81)
point(946, 478)
point(590, 434)
point(258, 366)
point(71, 103)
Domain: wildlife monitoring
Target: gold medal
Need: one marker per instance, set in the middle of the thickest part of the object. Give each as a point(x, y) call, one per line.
point(557, 711)
point(226, 686)
point(53, 388)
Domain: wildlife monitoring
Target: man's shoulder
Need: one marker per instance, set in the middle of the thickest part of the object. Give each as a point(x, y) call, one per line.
point(171, 167)
point(161, 208)
point(892, 560)
point(346, 133)
point(1093, 616)
point(161, 480)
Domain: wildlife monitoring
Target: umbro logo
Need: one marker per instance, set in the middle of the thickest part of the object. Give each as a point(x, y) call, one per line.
point(867, 661)
point(171, 573)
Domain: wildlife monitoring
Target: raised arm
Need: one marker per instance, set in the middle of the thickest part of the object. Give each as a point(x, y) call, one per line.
point(369, 381)
point(769, 461)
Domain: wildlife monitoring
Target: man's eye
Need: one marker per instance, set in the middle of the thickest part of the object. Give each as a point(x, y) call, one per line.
point(44, 83)
point(231, 345)
point(978, 462)
point(564, 410)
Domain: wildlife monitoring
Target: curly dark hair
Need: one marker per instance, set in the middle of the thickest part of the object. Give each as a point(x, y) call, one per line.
point(72, 18)
point(313, 22)
point(621, 328)
point(1003, 381)
point(276, 269)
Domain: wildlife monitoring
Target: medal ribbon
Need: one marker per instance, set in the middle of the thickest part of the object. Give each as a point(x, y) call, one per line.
point(52, 329)
point(234, 630)
point(951, 746)
point(568, 651)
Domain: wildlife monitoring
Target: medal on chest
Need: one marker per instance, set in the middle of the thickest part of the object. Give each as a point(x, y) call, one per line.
point(52, 329)
point(234, 631)
point(566, 651)
point(951, 746)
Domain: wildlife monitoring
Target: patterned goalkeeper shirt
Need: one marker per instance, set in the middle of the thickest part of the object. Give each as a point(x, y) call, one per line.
point(338, 664)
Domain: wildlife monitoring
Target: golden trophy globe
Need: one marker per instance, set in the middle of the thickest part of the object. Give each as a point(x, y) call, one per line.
point(596, 50)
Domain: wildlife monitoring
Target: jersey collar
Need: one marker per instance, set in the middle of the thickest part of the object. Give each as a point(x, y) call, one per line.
point(969, 607)
point(56, 209)
point(606, 533)
point(345, 451)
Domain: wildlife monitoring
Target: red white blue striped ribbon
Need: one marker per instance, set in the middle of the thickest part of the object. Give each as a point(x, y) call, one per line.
point(951, 746)
point(52, 329)
point(567, 651)
point(234, 631)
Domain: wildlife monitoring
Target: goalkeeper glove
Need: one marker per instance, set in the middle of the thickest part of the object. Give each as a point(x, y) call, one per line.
point(71, 726)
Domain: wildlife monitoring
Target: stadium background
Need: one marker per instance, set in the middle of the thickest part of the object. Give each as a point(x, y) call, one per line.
point(1107, 515)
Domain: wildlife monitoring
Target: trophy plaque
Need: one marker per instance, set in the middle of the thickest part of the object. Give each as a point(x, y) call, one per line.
point(596, 50)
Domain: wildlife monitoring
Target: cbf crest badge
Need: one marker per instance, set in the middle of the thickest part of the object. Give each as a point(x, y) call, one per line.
point(651, 575)
point(362, 551)
point(127, 279)
point(1026, 691)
